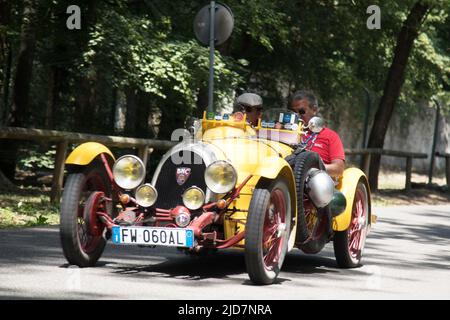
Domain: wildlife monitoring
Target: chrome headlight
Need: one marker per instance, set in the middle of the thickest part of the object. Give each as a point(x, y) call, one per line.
point(129, 172)
point(193, 198)
point(146, 195)
point(220, 176)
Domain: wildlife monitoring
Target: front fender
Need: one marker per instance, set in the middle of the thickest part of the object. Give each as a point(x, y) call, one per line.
point(86, 152)
point(271, 168)
point(347, 186)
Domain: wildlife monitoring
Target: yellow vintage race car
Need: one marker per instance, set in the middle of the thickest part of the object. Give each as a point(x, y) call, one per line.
point(226, 185)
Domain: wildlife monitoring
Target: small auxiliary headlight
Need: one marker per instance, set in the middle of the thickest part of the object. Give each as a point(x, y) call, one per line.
point(193, 198)
point(146, 195)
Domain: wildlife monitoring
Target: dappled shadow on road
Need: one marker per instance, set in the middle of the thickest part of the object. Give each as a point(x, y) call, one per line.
point(38, 245)
point(421, 243)
point(297, 262)
point(219, 265)
point(224, 264)
point(395, 242)
point(16, 294)
point(427, 233)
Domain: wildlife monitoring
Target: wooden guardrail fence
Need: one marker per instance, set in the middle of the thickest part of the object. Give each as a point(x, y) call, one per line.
point(368, 152)
point(62, 139)
point(447, 165)
point(145, 146)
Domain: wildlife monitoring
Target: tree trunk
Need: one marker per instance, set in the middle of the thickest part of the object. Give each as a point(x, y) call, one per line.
point(131, 113)
point(5, 60)
point(393, 85)
point(172, 116)
point(21, 88)
point(83, 111)
point(24, 69)
point(51, 96)
point(113, 111)
point(202, 101)
point(5, 184)
point(6, 83)
point(143, 112)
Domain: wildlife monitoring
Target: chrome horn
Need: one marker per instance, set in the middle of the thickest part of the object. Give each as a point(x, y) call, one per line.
point(316, 124)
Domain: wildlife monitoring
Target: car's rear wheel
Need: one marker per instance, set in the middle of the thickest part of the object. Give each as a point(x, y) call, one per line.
point(267, 232)
point(349, 244)
point(81, 232)
point(312, 225)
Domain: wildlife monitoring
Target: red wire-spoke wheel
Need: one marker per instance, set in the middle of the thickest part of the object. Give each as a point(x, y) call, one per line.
point(274, 229)
point(315, 222)
point(267, 231)
point(349, 244)
point(81, 232)
point(312, 222)
point(90, 228)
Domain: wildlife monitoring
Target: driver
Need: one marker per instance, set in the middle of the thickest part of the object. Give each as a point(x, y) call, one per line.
point(251, 104)
point(327, 142)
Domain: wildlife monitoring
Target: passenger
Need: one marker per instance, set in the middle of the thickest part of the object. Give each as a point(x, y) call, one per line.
point(251, 104)
point(327, 142)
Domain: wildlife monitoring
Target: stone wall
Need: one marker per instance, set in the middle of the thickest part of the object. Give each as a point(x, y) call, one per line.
point(415, 134)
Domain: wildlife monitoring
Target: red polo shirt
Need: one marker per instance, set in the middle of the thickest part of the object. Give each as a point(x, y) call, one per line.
point(327, 144)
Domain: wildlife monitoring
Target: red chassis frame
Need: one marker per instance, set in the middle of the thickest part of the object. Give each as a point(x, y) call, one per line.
point(211, 213)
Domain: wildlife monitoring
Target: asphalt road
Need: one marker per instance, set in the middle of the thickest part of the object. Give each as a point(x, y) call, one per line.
point(407, 256)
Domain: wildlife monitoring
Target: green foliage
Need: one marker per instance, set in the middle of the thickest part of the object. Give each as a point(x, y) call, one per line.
point(148, 47)
point(41, 220)
point(38, 160)
point(142, 53)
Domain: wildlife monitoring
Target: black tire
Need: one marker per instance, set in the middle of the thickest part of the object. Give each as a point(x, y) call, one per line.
point(312, 223)
point(258, 218)
point(77, 190)
point(291, 160)
point(345, 257)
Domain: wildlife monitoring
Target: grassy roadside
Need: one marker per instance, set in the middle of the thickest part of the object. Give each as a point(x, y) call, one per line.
point(27, 208)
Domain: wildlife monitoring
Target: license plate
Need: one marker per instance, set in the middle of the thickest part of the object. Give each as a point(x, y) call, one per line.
point(171, 237)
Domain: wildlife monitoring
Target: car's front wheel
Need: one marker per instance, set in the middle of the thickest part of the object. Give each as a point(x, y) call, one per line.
point(81, 233)
point(267, 232)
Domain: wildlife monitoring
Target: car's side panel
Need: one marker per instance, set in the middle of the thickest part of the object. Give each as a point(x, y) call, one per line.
point(86, 152)
point(278, 168)
point(347, 186)
point(261, 159)
point(281, 148)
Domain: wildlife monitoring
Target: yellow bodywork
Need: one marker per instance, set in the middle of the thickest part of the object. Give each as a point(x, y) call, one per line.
point(347, 185)
point(250, 156)
point(86, 152)
point(238, 143)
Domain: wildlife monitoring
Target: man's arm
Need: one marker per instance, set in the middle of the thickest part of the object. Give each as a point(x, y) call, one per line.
point(336, 168)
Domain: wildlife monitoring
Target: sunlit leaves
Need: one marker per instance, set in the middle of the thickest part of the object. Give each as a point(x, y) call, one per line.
point(144, 54)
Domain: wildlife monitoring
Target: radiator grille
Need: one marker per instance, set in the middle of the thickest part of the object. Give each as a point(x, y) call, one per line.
point(169, 191)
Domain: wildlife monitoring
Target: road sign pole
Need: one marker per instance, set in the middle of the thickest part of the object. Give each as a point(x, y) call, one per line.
point(212, 10)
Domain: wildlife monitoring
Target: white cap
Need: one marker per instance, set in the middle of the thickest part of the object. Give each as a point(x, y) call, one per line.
point(249, 99)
